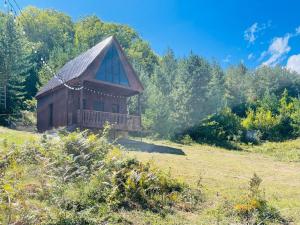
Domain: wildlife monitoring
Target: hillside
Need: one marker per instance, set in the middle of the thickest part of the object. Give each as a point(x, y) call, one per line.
point(224, 176)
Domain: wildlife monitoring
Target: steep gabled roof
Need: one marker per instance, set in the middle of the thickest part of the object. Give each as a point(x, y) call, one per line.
point(77, 66)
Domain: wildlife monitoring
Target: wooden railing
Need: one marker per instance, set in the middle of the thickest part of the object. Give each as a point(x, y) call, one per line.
point(96, 119)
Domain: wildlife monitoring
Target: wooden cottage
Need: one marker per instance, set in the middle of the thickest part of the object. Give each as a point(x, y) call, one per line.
point(90, 90)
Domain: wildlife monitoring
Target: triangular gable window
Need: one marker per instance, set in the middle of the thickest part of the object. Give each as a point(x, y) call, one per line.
point(111, 69)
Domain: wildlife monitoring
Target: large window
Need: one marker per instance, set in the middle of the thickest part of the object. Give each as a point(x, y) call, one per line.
point(84, 104)
point(98, 105)
point(111, 69)
point(115, 108)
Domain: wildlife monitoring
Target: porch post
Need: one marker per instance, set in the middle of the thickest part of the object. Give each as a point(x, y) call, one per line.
point(139, 105)
point(81, 105)
point(140, 113)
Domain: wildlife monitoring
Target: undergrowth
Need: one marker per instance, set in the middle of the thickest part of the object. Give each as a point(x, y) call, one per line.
point(80, 178)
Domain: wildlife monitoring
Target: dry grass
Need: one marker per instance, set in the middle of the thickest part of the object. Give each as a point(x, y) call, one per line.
point(14, 136)
point(226, 173)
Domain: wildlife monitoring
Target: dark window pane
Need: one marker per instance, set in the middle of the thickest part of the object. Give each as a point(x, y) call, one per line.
point(115, 108)
point(98, 106)
point(111, 69)
point(84, 104)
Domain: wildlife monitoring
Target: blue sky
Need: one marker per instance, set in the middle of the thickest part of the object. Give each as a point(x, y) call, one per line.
point(257, 32)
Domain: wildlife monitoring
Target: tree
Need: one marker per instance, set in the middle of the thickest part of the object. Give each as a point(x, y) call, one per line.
point(190, 91)
point(49, 28)
point(15, 65)
point(160, 105)
point(216, 89)
point(236, 85)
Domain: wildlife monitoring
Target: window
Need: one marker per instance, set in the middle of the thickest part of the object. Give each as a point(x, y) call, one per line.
point(84, 105)
point(115, 108)
point(51, 115)
point(98, 105)
point(111, 69)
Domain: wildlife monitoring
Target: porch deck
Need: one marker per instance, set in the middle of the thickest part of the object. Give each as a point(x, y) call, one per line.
point(97, 119)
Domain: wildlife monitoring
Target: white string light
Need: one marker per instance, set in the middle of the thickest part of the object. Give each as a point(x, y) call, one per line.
point(78, 88)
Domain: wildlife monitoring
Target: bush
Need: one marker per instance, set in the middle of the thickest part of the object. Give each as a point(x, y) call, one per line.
point(30, 105)
point(28, 119)
point(254, 208)
point(80, 178)
point(275, 124)
point(186, 140)
point(264, 122)
point(220, 129)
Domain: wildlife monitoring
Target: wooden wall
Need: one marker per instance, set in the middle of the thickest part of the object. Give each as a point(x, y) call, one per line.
point(59, 99)
point(65, 105)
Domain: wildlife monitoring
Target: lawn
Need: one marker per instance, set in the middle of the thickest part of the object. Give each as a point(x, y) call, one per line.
point(224, 175)
point(14, 136)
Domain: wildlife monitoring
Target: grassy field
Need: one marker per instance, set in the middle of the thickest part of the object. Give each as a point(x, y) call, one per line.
point(14, 136)
point(224, 175)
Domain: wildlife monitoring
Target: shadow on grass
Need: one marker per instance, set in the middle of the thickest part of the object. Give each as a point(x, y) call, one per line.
point(132, 145)
point(223, 144)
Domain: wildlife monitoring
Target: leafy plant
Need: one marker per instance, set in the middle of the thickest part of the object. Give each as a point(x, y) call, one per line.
point(254, 208)
point(186, 140)
point(81, 178)
point(221, 129)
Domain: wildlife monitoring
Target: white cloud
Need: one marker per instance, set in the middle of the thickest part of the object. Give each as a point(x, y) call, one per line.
point(227, 59)
point(293, 63)
point(251, 33)
point(250, 56)
point(262, 55)
point(277, 50)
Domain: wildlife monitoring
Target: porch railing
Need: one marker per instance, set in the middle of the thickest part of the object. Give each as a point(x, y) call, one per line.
point(97, 119)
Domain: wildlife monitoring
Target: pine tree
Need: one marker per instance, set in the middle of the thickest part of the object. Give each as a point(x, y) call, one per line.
point(216, 89)
point(14, 67)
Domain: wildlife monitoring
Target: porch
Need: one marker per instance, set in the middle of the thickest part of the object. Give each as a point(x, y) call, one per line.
point(97, 119)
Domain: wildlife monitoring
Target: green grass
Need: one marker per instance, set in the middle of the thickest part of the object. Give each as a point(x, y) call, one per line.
point(225, 175)
point(288, 151)
point(14, 136)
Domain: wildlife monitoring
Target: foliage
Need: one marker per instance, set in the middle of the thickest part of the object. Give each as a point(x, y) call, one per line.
point(28, 119)
point(186, 140)
point(14, 67)
point(30, 105)
point(53, 36)
point(221, 128)
point(80, 178)
point(274, 123)
point(179, 92)
point(254, 208)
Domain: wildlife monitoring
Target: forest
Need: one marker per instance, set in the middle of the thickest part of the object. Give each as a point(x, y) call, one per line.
point(183, 95)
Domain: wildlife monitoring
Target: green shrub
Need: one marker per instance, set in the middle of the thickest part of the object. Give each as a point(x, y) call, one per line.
point(254, 208)
point(263, 121)
point(30, 105)
point(28, 118)
point(186, 140)
point(274, 124)
point(221, 128)
point(80, 178)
